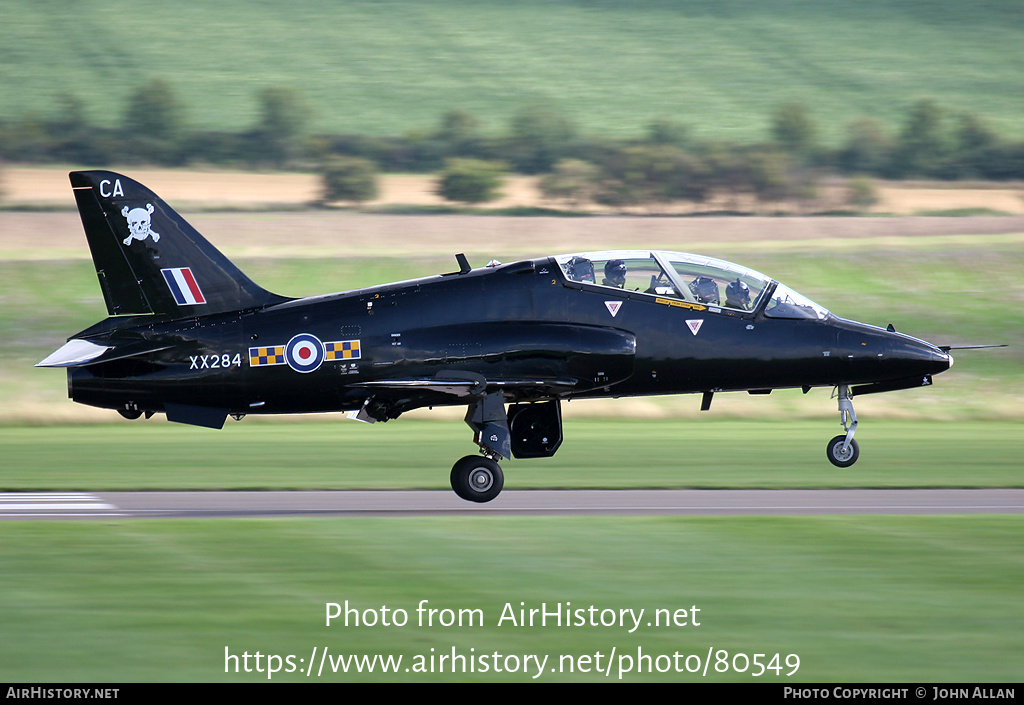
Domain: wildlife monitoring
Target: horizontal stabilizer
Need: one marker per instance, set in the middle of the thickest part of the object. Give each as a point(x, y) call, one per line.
point(79, 353)
point(74, 353)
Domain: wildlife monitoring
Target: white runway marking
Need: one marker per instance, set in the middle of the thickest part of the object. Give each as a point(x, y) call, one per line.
point(210, 504)
point(24, 505)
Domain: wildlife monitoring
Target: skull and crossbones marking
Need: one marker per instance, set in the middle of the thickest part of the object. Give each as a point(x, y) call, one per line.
point(139, 223)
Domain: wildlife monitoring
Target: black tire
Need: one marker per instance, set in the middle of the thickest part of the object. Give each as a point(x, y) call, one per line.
point(477, 479)
point(837, 457)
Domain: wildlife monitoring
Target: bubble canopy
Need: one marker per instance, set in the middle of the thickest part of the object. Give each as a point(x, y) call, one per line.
point(693, 278)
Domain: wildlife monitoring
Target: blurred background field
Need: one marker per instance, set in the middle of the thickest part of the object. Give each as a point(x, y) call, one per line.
point(730, 105)
point(24, 189)
point(387, 68)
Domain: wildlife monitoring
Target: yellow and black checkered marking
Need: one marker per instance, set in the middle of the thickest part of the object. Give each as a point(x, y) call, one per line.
point(343, 350)
point(272, 355)
point(681, 304)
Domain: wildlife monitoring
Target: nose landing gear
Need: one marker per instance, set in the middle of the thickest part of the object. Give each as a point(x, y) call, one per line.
point(842, 450)
point(843, 454)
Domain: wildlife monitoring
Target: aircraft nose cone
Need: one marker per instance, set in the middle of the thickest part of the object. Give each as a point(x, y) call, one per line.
point(924, 357)
point(874, 354)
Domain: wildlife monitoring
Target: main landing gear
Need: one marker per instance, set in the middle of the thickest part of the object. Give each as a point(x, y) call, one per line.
point(477, 478)
point(527, 430)
point(842, 450)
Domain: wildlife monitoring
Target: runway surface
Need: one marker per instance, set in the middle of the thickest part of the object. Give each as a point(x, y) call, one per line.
point(107, 505)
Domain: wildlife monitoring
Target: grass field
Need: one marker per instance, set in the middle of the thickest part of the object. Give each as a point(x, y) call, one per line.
point(868, 599)
point(720, 66)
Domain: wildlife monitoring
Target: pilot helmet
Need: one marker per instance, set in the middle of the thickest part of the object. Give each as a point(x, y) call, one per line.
point(737, 295)
point(580, 269)
point(705, 290)
point(615, 272)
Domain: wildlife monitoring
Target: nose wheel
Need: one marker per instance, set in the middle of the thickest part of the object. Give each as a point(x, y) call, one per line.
point(843, 454)
point(842, 450)
point(477, 479)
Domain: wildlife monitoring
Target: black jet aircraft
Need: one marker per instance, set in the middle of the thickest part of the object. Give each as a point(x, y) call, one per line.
point(189, 335)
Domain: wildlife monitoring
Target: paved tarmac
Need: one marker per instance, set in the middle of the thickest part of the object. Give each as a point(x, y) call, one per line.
point(106, 505)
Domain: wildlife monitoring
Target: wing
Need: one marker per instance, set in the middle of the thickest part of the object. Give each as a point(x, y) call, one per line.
point(387, 399)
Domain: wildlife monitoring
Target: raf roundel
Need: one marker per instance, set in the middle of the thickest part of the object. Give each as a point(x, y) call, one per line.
point(304, 353)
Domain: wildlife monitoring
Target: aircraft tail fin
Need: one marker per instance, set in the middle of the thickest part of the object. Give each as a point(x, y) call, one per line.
point(149, 260)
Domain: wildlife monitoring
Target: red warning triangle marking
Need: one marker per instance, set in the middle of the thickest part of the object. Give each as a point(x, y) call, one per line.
point(695, 325)
point(613, 307)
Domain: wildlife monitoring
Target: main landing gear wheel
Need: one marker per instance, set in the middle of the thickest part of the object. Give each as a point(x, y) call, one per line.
point(840, 458)
point(477, 479)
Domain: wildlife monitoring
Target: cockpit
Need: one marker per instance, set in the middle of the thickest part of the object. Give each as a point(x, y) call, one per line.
point(694, 279)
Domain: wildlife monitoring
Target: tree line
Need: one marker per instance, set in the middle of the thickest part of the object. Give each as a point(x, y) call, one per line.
point(666, 162)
